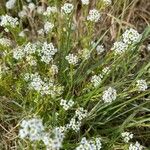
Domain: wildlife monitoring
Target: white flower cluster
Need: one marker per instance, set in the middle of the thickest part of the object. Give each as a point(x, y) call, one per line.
point(129, 37)
point(75, 122)
point(5, 42)
point(100, 49)
point(72, 59)
point(94, 15)
point(85, 2)
point(54, 142)
point(135, 146)
point(37, 84)
point(127, 136)
point(109, 95)
point(27, 10)
point(31, 129)
point(66, 105)
point(67, 8)
point(94, 144)
point(47, 52)
point(141, 85)
point(50, 10)
point(26, 50)
point(54, 69)
point(48, 26)
point(107, 2)
point(119, 47)
point(7, 20)
point(97, 79)
point(10, 4)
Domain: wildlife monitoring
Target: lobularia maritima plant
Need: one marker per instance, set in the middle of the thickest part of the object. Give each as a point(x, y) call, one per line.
point(61, 88)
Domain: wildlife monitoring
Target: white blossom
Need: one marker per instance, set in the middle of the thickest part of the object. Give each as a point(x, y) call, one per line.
point(32, 129)
point(10, 4)
point(72, 59)
point(67, 8)
point(94, 15)
point(85, 2)
point(5, 42)
point(66, 104)
point(135, 146)
point(7, 20)
point(48, 26)
point(50, 10)
point(93, 144)
point(131, 36)
point(127, 136)
point(96, 80)
point(100, 49)
point(119, 47)
point(109, 95)
point(141, 85)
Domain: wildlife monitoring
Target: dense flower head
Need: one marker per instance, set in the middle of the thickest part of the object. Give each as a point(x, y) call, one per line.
point(47, 52)
point(85, 2)
point(127, 136)
point(96, 80)
point(54, 140)
point(32, 129)
point(119, 47)
point(131, 36)
point(10, 4)
point(107, 2)
point(66, 104)
point(94, 15)
point(50, 10)
point(7, 20)
point(135, 146)
point(72, 59)
point(67, 8)
point(5, 42)
point(100, 49)
point(141, 85)
point(93, 144)
point(48, 26)
point(109, 95)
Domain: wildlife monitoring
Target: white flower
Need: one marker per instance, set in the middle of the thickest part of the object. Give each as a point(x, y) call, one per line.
point(119, 47)
point(5, 42)
point(54, 69)
point(7, 20)
point(96, 80)
point(67, 8)
point(50, 10)
point(94, 144)
point(109, 95)
point(66, 105)
point(32, 129)
point(94, 15)
point(85, 2)
point(141, 85)
point(148, 47)
point(127, 136)
point(47, 52)
point(135, 146)
point(10, 4)
point(22, 34)
point(107, 2)
point(40, 32)
point(31, 6)
point(40, 9)
point(72, 59)
point(131, 36)
point(106, 70)
point(48, 26)
point(22, 13)
point(18, 53)
point(100, 49)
